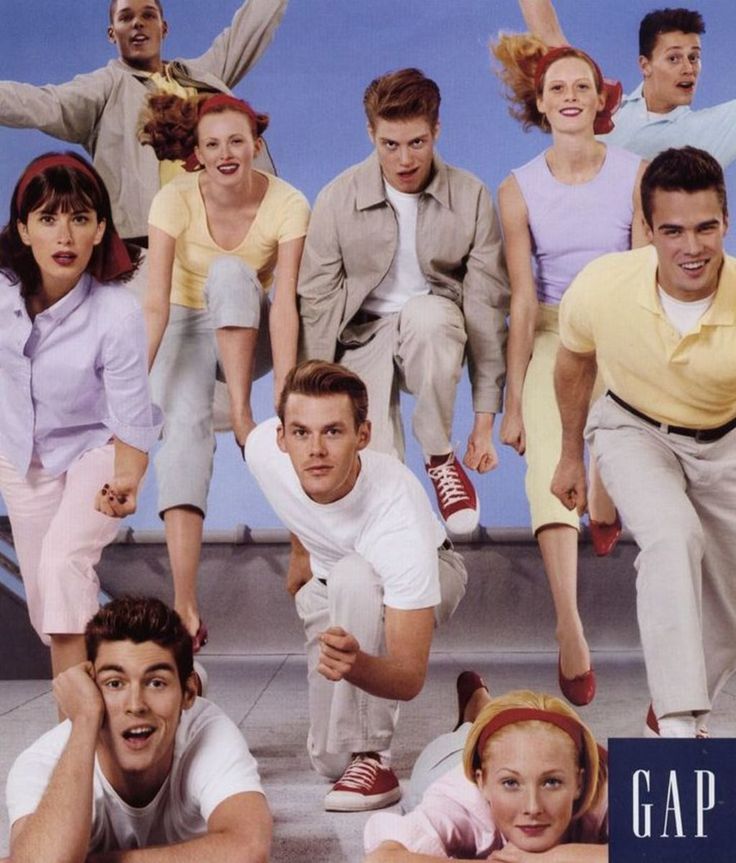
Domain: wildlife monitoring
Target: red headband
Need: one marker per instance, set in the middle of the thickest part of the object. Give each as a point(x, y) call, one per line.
point(113, 260)
point(218, 102)
point(612, 90)
point(524, 714)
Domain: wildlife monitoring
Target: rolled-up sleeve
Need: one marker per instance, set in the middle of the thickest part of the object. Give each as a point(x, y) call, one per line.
point(131, 416)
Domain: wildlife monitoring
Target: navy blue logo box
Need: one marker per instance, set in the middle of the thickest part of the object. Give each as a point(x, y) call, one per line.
point(672, 801)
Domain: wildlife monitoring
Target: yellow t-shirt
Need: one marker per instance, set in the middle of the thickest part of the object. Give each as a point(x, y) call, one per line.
point(170, 168)
point(612, 308)
point(178, 210)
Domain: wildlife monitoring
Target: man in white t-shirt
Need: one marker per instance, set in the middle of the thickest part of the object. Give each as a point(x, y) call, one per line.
point(140, 762)
point(402, 277)
point(371, 567)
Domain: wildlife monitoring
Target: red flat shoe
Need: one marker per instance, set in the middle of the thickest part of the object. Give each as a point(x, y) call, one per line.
point(604, 536)
point(578, 690)
point(468, 682)
point(201, 638)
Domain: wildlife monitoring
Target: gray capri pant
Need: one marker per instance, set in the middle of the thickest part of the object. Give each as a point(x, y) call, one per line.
point(184, 375)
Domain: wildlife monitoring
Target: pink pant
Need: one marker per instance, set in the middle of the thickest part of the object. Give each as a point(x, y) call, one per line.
point(59, 537)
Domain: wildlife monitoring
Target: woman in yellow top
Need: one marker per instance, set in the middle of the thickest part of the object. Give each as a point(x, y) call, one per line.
point(219, 236)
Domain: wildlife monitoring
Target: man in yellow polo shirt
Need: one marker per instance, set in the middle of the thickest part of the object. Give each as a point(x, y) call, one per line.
point(659, 324)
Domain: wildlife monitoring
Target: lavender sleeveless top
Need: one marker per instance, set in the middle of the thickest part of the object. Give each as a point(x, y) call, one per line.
point(573, 224)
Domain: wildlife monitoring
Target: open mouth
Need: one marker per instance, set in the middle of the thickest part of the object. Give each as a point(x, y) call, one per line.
point(693, 267)
point(571, 112)
point(65, 259)
point(138, 39)
point(228, 168)
point(137, 737)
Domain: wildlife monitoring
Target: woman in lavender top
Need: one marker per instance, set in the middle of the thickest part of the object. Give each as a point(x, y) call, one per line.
point(577, 200)
point(77, 419)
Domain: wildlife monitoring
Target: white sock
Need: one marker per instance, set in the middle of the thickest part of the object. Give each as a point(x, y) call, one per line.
point(677, 725)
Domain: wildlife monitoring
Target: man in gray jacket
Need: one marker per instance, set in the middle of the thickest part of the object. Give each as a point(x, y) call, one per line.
point(99, 110)
point(402, 277)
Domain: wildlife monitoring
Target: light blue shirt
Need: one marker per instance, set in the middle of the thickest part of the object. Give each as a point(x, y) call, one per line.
point(74, 376)
point(712, 129)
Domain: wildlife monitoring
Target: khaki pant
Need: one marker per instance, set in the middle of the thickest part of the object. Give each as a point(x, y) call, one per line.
point(420, 350)
point(678, 498)
point(344, 719)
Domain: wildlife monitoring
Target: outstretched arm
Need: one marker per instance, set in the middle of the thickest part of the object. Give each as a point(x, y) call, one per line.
point(59, 830)
point(397, 674)
point(161, 249)
point(573, 852)
point(574, 379)
point(284, 318)
point(238, 831)
point(395, 852)
point(541, 20)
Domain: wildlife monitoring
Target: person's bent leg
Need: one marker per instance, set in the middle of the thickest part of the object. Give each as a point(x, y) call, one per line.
point(643, 473)
point(234, 297)
point(182, 384)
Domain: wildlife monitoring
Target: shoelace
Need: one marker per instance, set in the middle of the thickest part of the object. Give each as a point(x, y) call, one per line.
point(450, 488)
point(360, 773)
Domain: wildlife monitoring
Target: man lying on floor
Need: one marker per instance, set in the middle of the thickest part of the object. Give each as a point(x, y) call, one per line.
point(141, 769)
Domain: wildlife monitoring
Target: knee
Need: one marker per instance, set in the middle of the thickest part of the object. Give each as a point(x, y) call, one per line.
point(678, 537)
point(232, 284)
point(430, 318)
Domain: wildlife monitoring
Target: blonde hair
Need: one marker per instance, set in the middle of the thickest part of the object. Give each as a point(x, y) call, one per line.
point(518, 56)
point(594, 776)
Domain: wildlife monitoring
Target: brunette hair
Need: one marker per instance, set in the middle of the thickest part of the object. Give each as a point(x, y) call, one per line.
point(402, 95)
point(683, 169)
point(114, 3)
point(588, 755)
point(140, 619)
point(64, 188)
point(519, 56)
point(667, 21)
point(318, 378)
point(169, 123)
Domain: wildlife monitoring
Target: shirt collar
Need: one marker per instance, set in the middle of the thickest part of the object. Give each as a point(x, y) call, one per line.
point(636, 97)
point(64, 307)
point(371, 190)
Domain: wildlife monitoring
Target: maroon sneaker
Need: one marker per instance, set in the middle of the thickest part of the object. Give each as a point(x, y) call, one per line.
point(365, 784)
point(456, 497)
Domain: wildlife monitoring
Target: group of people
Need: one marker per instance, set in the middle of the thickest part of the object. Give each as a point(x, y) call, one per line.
point(612, 274)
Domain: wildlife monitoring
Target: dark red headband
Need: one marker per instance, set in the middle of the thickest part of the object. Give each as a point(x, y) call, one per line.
point(219, 102)
point(612, 90)
point(112, 260)
point(524, 714)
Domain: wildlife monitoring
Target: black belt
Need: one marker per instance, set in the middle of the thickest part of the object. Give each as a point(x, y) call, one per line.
point(138, 241)
point(703, 435)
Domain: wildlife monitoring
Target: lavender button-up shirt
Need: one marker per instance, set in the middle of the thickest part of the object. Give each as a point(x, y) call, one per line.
point(73, 377)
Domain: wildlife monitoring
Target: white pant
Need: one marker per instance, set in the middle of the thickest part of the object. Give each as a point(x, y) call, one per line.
point(343, 718)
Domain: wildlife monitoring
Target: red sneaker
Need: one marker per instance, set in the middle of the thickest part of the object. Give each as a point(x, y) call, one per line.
point(456, 497)
point(365, 784)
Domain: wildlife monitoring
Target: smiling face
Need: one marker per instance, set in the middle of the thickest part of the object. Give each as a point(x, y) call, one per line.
point(569, 98)
point(405, 150)
point(531, 779)
point(225, 146)
point(687, 231)
point(323, 443)
point(143, 703)
point(671, 73)
point(138, 29)
point(62, 244)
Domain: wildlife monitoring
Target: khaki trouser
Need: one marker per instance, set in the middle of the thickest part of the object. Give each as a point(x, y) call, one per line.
point(420, 350)
point(678, 498)
point(344, 719)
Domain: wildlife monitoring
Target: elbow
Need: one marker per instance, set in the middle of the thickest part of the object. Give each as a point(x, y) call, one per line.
point(411, 687)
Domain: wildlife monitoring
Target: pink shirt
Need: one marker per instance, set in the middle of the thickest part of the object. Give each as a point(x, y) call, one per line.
point(74, 376)
point(455, 820)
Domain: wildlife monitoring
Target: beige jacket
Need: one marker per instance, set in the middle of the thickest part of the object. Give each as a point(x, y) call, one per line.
point(100, 110)
point(352, 239)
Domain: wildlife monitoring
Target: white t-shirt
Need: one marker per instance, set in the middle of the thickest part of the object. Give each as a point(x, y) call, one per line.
point(386, 518)
point(684, 315)
point(211, 763)
point(404, 278)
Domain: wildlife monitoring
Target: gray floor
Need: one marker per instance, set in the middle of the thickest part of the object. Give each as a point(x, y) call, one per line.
point(504, 628)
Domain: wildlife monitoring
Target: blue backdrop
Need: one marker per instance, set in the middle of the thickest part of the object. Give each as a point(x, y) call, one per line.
point(311, 81)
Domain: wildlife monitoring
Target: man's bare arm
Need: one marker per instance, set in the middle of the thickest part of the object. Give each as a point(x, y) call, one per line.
point(574, 379)
point(238, 831)
point(400, 672)
point(59, 830)
point(541, 20)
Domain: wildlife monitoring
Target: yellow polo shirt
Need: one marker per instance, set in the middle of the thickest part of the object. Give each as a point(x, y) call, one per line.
point(178, 210)
point(612, 308)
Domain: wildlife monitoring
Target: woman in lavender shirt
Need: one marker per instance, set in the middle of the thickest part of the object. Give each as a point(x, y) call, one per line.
point(77, 419)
